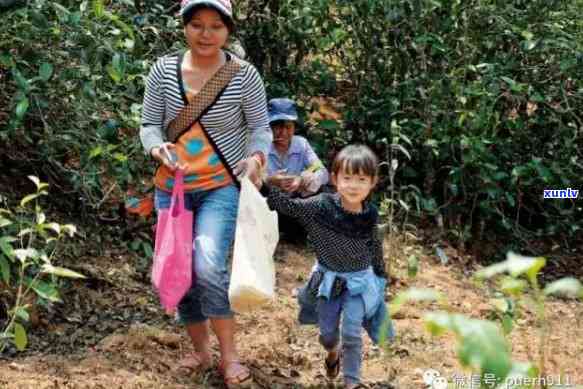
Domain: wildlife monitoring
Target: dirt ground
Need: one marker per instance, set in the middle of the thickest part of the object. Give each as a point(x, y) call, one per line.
point(111, 333)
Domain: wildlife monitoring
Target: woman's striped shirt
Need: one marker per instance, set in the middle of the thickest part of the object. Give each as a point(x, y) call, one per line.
point(237, 122)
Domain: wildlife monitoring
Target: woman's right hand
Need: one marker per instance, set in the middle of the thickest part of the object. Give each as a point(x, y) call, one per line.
point(166, 155)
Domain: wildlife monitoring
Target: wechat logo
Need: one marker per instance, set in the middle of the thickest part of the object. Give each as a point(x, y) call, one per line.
point(433, 379)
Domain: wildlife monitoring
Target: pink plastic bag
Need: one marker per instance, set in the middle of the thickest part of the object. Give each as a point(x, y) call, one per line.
point(172, 268)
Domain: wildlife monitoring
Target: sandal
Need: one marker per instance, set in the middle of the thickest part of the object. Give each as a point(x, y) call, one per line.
point(235, 374)
point(333, 369)
point(194, 363)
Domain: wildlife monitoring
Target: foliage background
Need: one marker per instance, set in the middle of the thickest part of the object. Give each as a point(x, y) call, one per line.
point(479, 101)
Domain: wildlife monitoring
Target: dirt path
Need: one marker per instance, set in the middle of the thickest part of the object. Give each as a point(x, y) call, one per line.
point(142, 349)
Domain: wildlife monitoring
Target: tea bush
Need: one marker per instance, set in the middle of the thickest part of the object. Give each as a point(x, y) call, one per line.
point(488, 94)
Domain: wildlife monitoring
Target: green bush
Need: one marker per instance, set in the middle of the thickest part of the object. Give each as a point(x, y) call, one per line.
point(29, 244)
point(76, 78)
point(488, 94)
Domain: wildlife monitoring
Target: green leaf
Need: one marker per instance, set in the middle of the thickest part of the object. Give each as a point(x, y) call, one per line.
point(147, 249)
point(412, 265)
point(403, 150)
point(24, 232)
point(95, 152)
point(22, 82)
point(62, 12)
point(54, 227)
point(406, 139)
point(513, 286)
point(514, 86)
point(129, 44)
point(568, 64)
point(119, 23)
point(492, 270)
point(4, 222)
point(481, 344)
point(500, 304)
point(414, 294)
point(529, 45)
point(430, 205)
point(510, 199)
point(508, 80)
point(46, 291)
point(20, 339)
point(38, 19)
point(98, 8)
point(405, 206)
point(519, 264)
point(22, 107)
point(60, 271)
point(75, 18)
point(24, 254)
point(507, 324)
point(118, 64)
point(36, 181)
point(329, 124)
point(120, 157)
point(46, 71)
point(568, 286)
point(22, 313)
point(520, 171)
point(113, 73)
point(527, 35)
point(4, 270)
point(135, 245)
point(6, 60)
point(544, 172)
point(521, 370)
point(70, 229)
point(516, 265)
point(6, 247)
point(28, 199)
point(39, 185)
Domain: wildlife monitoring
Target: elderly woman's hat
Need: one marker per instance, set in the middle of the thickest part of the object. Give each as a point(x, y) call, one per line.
point(282, 109)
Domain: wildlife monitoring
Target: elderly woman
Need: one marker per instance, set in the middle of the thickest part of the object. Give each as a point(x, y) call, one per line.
point(292, 164)
point(205, 112)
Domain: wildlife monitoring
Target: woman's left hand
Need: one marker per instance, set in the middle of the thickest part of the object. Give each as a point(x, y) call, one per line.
point(249, 167)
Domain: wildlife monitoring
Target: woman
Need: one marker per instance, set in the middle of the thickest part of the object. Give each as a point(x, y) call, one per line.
point(205, 112)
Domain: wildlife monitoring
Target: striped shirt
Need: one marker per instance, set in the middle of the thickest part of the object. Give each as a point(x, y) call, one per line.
point(237, 122)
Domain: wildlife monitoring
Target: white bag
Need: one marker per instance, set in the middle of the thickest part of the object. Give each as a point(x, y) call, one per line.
point(256, 236)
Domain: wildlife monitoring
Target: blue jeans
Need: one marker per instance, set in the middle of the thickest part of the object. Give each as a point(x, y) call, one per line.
point(351, 309)
point(215, 217)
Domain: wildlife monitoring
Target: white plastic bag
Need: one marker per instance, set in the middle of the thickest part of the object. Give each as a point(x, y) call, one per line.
point(256, 236)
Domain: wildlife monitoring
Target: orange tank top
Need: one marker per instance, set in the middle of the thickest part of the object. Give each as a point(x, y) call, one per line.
point(204, 169)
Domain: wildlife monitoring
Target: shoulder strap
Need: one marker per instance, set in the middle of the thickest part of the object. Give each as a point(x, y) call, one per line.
point(203, 100)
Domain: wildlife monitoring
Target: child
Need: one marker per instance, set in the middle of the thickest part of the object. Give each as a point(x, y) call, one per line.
point(348, 280)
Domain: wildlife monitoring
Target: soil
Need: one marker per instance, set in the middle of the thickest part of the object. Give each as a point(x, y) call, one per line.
point(111, 333)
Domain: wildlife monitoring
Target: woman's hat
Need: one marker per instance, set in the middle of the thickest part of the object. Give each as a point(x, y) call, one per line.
point(223, 6)
point(282, 109)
